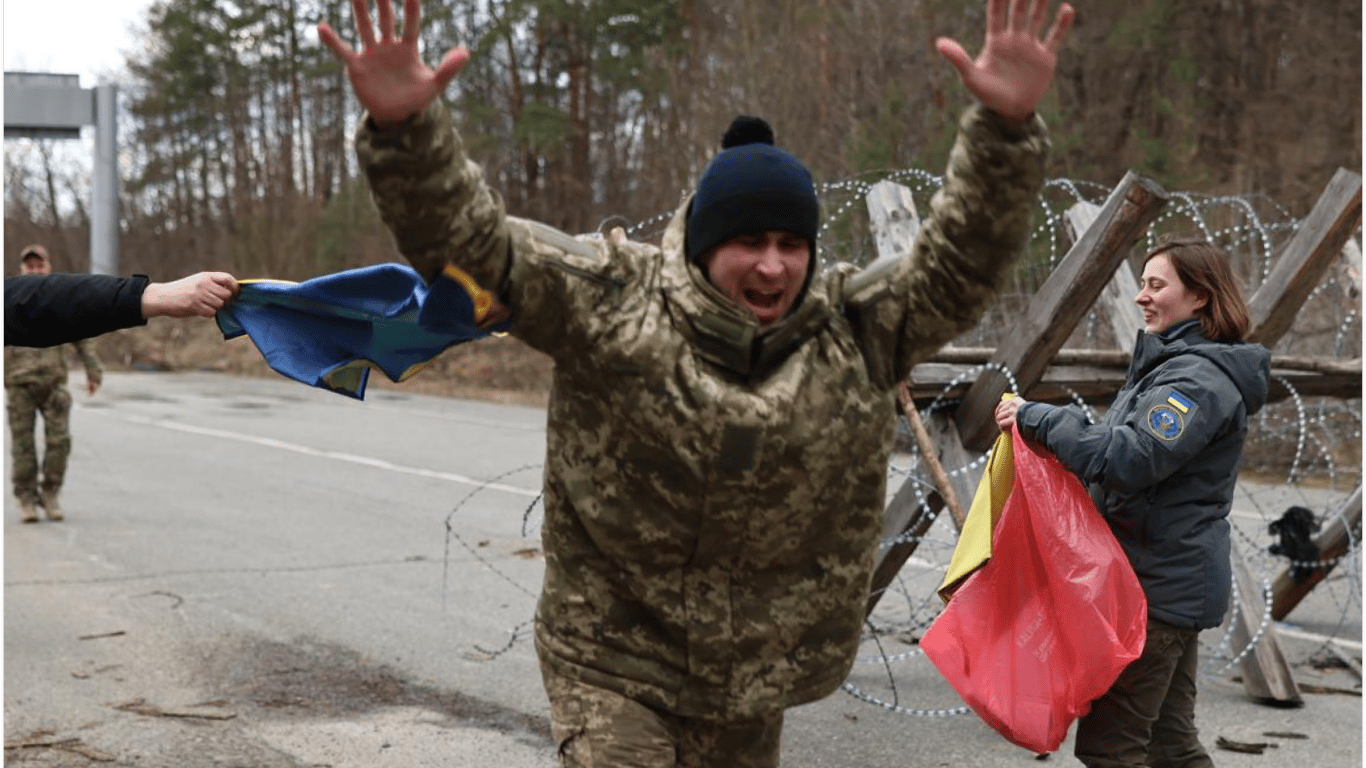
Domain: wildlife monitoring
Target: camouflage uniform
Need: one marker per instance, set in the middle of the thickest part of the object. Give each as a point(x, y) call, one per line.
point(713, 493)
point(35, 382)
point(595, 727)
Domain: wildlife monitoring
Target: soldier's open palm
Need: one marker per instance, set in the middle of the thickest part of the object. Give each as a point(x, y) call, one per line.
point(387, 74)
point(1016, 64)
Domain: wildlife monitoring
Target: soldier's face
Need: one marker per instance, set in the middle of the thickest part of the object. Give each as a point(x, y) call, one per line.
point(763, 273)
point(35, 267)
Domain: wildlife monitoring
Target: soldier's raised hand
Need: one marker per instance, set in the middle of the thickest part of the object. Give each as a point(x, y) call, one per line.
point(387, 74)
point(1015, 66)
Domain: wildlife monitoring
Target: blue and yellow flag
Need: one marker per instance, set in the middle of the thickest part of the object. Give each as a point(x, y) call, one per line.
point(331, 330)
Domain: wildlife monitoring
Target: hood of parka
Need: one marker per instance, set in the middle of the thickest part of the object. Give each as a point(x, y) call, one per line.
point(1247, 365)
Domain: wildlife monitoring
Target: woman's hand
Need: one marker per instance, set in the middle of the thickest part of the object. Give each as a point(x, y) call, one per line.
point(1006, 412)
point(387, 74)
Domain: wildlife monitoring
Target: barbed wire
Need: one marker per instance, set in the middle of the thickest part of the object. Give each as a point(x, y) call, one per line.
point(1251, 228)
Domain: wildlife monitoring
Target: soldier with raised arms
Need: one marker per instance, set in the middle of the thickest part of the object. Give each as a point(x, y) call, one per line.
point(722, 411)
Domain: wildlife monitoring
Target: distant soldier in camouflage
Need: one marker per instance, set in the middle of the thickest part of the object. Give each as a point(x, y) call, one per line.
point(722, 411)
point(35, 382)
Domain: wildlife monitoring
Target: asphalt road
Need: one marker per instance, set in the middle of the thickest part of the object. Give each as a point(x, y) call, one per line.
point(255, 573)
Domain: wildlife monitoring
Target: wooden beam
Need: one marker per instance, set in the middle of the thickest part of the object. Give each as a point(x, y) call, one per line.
point(1098, 384)
point(1286, 591)
point(1318, 240)
point(952, 455)
point(1063, 300)
point(894, 222)
point(907, 517)
point(892, 213)
point(1113, 358)
point(1342, 386)
point(1124, 316)
point(1266, 673)
point(891, 209)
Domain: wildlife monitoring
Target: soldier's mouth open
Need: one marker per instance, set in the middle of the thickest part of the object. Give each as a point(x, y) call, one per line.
point(764, 299)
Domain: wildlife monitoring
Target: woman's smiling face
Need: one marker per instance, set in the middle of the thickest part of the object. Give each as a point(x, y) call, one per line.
point(1164, 299)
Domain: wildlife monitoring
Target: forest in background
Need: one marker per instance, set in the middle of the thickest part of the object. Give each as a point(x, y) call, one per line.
point(236, 128)
point(236, 154)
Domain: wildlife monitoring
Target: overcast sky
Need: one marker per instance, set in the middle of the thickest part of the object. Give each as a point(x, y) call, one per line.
point(80, 37)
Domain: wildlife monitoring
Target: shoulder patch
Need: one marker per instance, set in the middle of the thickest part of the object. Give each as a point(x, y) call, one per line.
point(1170, 413)
point(1165, 421)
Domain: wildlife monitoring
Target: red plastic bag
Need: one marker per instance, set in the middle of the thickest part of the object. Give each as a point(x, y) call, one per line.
point(1045, 627)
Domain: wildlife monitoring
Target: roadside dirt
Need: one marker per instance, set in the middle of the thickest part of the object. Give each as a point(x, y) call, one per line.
point(265, 704)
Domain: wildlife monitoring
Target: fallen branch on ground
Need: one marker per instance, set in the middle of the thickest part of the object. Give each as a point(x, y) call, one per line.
point(141, 707)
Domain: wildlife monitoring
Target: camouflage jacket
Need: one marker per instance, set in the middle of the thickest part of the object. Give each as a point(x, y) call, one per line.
point(46, 366)
point(713, 494)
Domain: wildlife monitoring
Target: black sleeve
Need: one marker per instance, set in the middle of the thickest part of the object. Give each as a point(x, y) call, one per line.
point(47, 310)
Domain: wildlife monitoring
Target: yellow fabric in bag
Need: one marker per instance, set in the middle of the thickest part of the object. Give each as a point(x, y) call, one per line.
point(974, 541)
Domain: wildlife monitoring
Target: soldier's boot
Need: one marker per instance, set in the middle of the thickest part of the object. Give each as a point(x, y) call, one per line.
point(50, 505)
point(28, 510)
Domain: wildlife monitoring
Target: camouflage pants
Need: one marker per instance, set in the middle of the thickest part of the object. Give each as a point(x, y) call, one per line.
point(597, 728)
point(1147, 718)
point(25, 402)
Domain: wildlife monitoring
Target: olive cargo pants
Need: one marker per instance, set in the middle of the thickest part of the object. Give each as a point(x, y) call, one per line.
point(1147, 718)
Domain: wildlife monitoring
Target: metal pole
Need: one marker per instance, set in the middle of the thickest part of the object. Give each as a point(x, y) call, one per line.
point(104, 210)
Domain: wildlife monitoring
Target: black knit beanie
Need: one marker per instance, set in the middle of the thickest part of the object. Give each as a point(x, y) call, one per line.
point(751, 187)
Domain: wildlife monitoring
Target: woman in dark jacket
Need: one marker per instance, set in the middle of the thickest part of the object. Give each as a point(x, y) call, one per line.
point(1161, 466)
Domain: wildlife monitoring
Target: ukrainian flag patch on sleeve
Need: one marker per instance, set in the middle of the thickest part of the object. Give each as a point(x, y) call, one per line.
point(1167, 419)
point(1180, 402)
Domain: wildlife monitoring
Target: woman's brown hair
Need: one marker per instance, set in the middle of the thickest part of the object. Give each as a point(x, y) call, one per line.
point(1204, 269)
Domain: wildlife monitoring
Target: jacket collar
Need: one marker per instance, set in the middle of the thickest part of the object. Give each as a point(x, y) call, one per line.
point(1181, 330)
point(721, 332)
point(1247, 365)
point(1153, 348)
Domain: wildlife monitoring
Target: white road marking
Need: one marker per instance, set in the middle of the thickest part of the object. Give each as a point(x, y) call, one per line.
point(334, 455)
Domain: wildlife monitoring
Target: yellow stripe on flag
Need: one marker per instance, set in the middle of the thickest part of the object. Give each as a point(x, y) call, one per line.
point(974, 541)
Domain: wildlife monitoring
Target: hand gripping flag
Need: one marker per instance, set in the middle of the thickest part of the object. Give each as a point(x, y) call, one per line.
point(329, 331)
